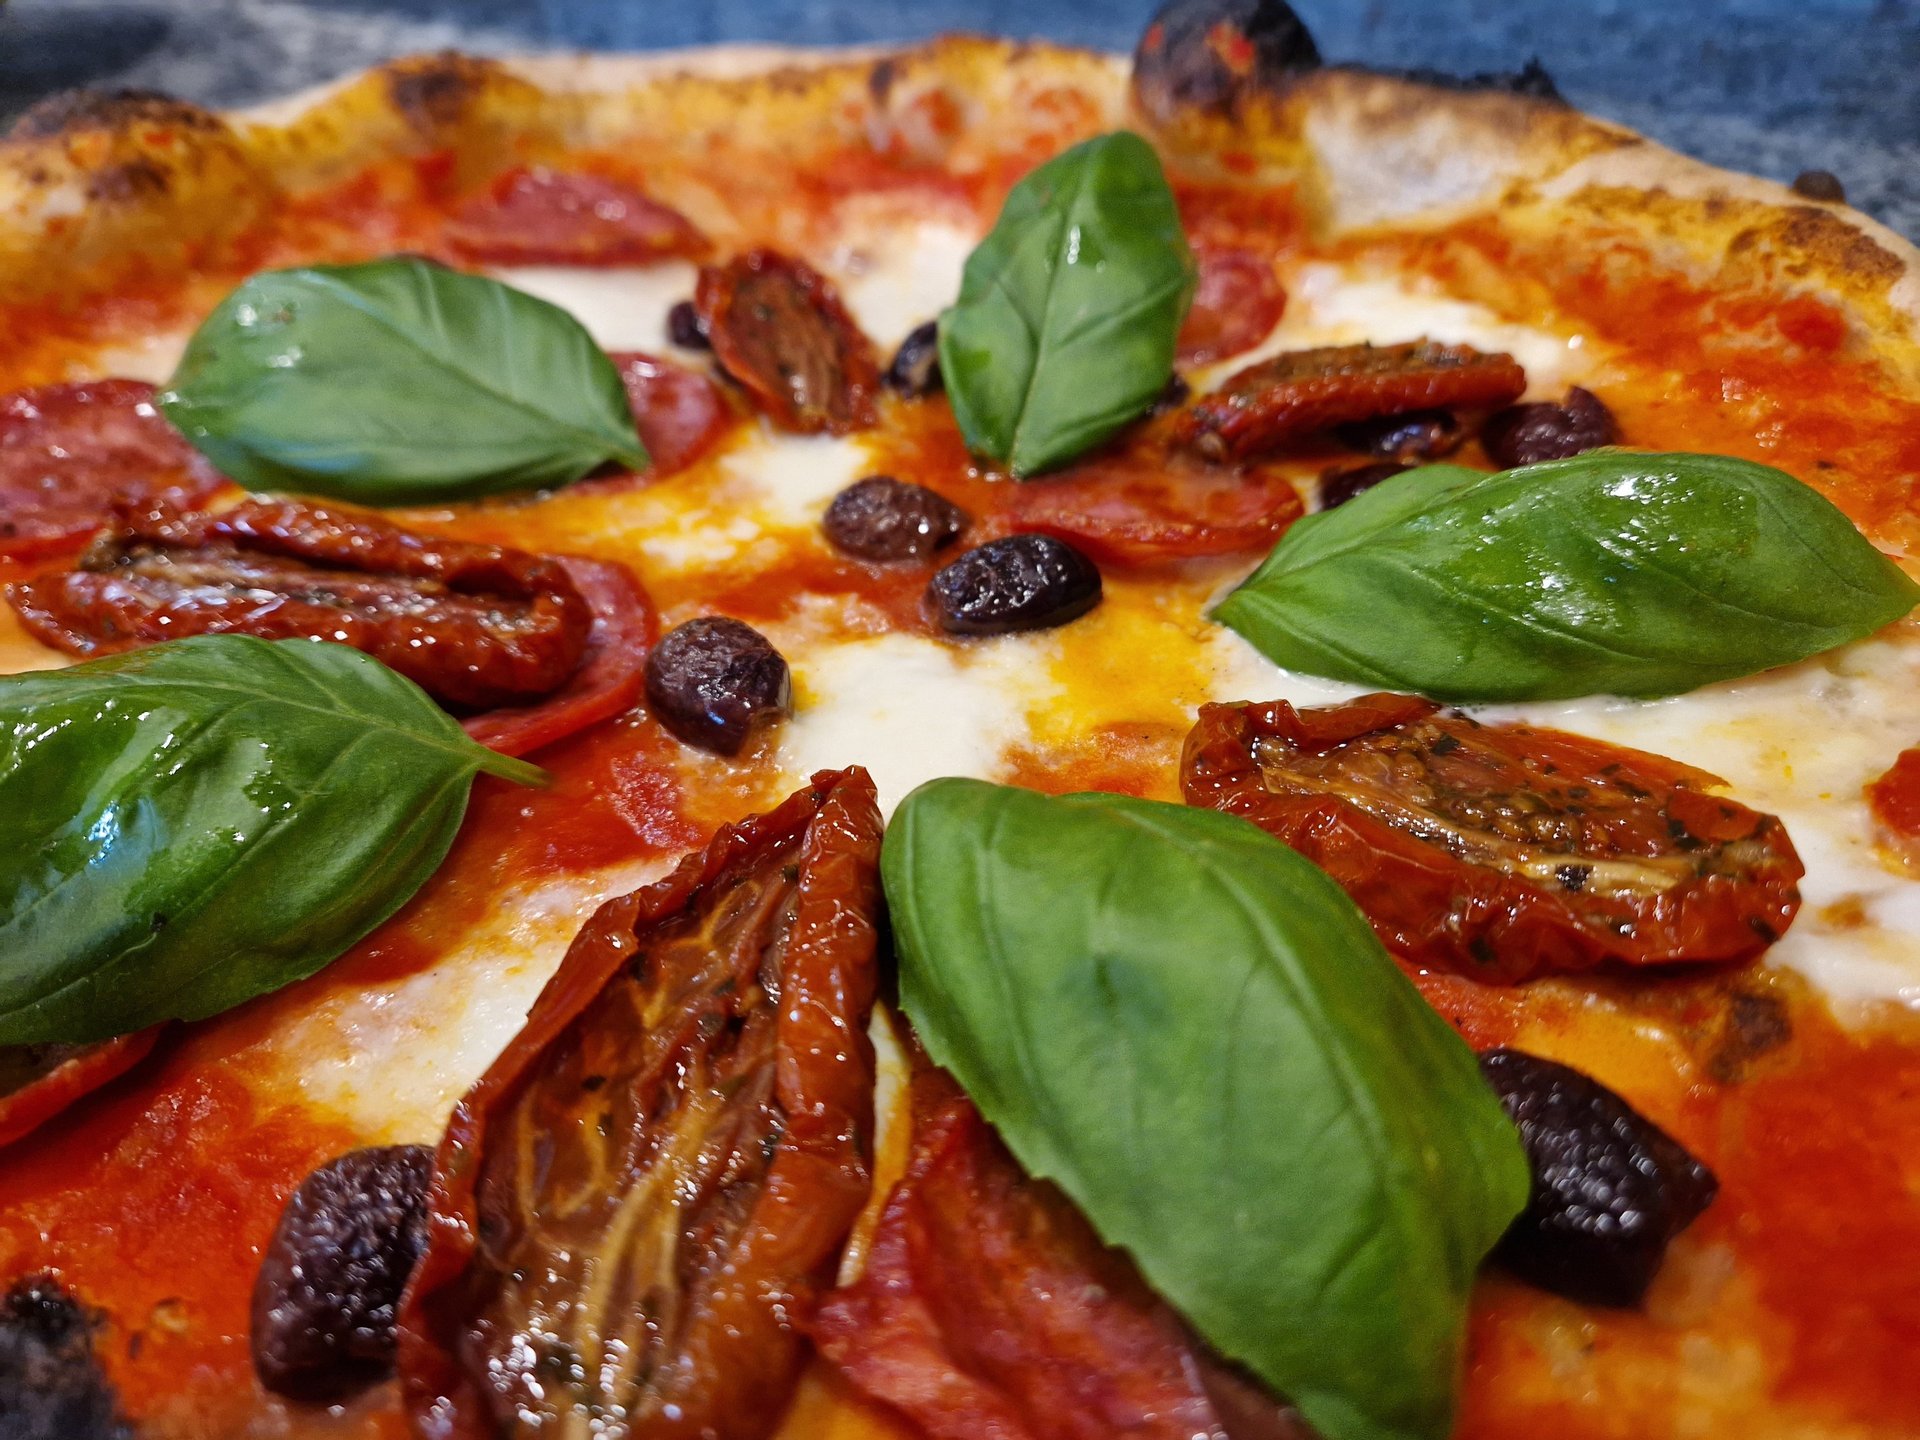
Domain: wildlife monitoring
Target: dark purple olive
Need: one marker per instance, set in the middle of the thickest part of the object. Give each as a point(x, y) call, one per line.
point(1175, 394)
point(323, 1305)
point(1410, 438)
point(881, 518)
point(915, 369)
point(713, 681)
point(1821, 185)
point(1023, 582)
point(51, 1386)
point(685, 327)
point(1610, 1188)
point(1530, 434)
point(1211, 55)
point(1338, 486)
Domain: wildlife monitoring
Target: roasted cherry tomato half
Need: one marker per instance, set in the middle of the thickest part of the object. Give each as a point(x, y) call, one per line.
point(1502, 851)
point(697, 1084)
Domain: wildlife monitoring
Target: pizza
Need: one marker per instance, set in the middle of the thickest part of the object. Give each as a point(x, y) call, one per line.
point(972, 740)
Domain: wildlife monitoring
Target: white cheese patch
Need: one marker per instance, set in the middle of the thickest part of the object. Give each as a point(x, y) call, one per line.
point(152, 358)
point(794, 476)
point(624, 307)
point(912, 709)
point(393, 1059)
point(1327, 307)
point(902, 277)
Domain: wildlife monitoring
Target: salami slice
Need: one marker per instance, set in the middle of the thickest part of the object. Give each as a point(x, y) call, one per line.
point(543, 217)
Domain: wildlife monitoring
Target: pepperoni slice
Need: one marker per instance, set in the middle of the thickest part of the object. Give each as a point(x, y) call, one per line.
point(989, 1307)
point(543, 217)
point(1304, 391)
point(70, 454)
point(777, 326)
point(680, 414)
point(1895, 801)
point(1502, 851)
point(647, 1190)
point(611, 670)
point(1236, 305)
point(37, 1082)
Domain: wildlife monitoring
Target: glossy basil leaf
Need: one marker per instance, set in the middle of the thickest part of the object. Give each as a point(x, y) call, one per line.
point(197, 823)
point(1069, 309)
point(1194, 1032)
point(1610, 573)
point(398, 382)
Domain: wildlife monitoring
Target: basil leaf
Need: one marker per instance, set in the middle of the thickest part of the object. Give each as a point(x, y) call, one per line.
point(1069, 309)
point(200, 822)
point(398, 382)
point(1194, 1032)
point(1610, 573)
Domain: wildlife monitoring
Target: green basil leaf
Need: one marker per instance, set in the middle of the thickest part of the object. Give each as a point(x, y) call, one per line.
point(398, 382)
point(1193, 1031)
point(198, 823)
point(1068, 311)
point(1610, 573)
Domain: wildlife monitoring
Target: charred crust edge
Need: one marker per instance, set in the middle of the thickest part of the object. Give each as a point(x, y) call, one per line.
point(76, 112)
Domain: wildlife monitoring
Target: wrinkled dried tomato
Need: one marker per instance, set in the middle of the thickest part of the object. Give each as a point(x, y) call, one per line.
point(635, 1207)
point(1305, 391)
point(989, 1307)
point(1235, 306)
point(1502, 851)
point(538, 216)
point(37, 1082)
point(71, 454)
point(474, 625)
point(777, 326)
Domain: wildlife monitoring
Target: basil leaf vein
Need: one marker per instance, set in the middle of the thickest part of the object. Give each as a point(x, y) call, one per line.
point(1069, 310)
point(205, 821)
point(398, 382)
point(1633, 574)
point(1193, 1031)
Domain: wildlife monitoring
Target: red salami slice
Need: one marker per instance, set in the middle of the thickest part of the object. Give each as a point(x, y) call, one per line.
point(680, 414)
point(541, 217)
point(37, 1082)
point(69, 454)
point(1237, 304)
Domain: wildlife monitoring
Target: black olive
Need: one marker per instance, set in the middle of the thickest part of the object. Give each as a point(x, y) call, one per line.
point(1210, 55)
point(1023, 582)
point(51, 1387)
point(1529, 434)
point(1175, 394)
point(881, 518)
point(323, 1305)
point(1822, 185)
point(714, 680)
point(1338, 486)
point(1410, 438)
point(1610, 1188)
point(915, 369)
point(685, 327)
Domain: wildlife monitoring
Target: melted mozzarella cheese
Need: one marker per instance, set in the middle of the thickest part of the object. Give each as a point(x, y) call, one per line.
point(623, 307)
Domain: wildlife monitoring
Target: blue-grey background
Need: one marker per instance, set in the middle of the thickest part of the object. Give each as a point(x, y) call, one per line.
point(1767, 86)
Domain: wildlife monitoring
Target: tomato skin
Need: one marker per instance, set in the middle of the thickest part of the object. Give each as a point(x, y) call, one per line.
point(1583, 853)
point(698, 1083)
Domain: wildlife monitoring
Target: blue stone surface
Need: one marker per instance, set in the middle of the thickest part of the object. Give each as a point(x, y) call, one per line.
point(1767, 86)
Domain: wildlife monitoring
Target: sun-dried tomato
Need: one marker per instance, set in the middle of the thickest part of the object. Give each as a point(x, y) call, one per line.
point(1151, 503)
point(1894, 799)
point(474, 625)
point(988, 1307)
point(539, 216)
point(635, 1208)
point(1305, 391)
point(777, 326)
point(1502, 851)
point(680, 414)
point(1235, 306)
point(37, 1082)
point(70, 454)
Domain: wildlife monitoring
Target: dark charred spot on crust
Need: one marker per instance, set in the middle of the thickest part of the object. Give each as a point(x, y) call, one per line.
point(51, 1387)
point(75, 111)
point(136, 179)
point(1821, 185)
point(1213, 55)
point(1531, 80)
point(880, 80)
point(433, 92)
